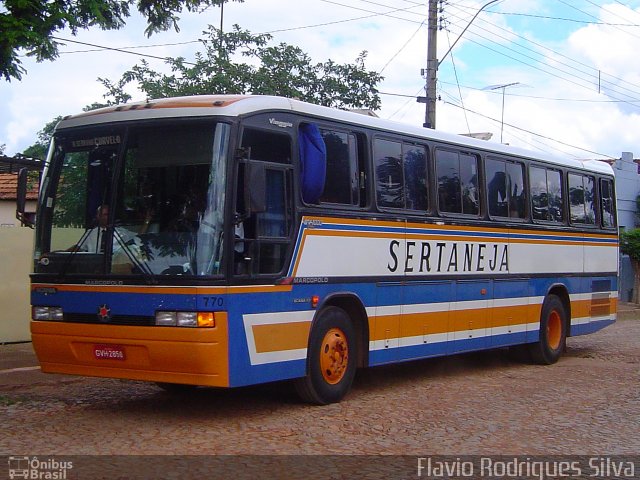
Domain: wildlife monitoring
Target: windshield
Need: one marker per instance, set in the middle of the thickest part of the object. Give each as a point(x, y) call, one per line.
point(144, 200)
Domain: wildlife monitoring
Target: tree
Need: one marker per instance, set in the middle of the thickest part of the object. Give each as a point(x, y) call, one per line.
point(31, 25)
point(283, 70)
point(39, 149)
point(630, 245)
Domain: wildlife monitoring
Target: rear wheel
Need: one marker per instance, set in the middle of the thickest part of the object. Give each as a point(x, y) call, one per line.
point(553, 332)
point(331, 358)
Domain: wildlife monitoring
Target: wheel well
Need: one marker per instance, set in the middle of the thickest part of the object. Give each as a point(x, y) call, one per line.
point(358, 315)
point(561, 292)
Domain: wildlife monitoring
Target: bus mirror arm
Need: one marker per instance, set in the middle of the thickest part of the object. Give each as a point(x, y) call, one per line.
point(26, 218)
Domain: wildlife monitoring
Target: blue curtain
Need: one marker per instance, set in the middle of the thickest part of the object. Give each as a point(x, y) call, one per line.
point(313, 162)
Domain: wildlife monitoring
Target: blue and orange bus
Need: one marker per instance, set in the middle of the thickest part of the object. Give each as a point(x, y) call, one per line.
point(234, 240)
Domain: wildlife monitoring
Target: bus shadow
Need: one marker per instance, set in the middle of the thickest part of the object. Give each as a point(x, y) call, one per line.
point(439, 368)
point(205, 402)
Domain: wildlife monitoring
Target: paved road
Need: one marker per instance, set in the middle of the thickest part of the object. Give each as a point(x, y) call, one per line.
point(483, 403)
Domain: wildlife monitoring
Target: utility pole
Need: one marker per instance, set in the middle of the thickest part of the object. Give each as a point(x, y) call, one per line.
point(433, 63)
point(432, 66)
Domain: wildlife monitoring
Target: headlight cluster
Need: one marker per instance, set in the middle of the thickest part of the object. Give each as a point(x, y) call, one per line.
point(185, 319)
point(47, 313)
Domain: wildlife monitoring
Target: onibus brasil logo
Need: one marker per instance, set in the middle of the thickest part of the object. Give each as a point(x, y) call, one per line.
point(36, 469)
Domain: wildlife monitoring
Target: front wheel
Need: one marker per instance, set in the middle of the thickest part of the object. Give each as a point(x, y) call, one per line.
point(553, 332)
point(331, 358)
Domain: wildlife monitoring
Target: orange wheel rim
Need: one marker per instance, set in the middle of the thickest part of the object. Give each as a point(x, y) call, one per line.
point(554, 330)
point(334, 356)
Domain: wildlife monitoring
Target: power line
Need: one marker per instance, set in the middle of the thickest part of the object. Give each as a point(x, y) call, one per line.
point(402, 48)
point(146, 55)
point(595, 77)
point(537, 97)
point(455, 71)
point(554, 73)
point(290, 29)
point(370, 11)
point(536, 134)
point(589, 15)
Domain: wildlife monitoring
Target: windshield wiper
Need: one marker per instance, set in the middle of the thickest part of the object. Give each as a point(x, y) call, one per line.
point(141, 265)
point(73, 252)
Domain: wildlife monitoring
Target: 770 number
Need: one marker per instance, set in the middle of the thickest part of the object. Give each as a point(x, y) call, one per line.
point(213, 301)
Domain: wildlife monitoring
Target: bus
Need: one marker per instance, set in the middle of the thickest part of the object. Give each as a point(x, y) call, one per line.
point(251, 239)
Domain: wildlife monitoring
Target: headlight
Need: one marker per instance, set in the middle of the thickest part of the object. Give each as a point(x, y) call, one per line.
point(186, 319)
point(47, 313)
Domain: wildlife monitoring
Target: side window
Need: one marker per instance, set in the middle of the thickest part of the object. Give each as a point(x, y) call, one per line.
point(267, 146)
point(556, 208)
point(517, 197)
point(415, 175)
point(581, 198)
point(389, 175)
point(546, 194)
point(457, 175)
point(539, 196)
point(401, 175)
point(497, 187)
point(342, 177)
point(608, 204)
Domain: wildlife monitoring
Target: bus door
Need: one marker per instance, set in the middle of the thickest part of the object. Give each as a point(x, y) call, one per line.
point(263, 219)
point(470, 314)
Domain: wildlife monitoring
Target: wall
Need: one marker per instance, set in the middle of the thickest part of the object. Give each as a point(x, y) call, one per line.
point(627, 189)
point(8, 212)
point(16, 245)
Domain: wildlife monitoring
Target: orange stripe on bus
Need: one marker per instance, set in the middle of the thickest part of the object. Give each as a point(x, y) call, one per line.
point(156, 289)
point(276, 337)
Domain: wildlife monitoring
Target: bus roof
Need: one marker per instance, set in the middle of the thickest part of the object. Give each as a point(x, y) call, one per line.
point(239, 105)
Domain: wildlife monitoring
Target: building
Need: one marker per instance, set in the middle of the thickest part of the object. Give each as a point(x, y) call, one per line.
point(8, 190)
point(627, 171)
point(16, 251)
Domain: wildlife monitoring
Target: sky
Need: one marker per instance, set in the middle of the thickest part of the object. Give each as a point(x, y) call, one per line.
point(572, 66)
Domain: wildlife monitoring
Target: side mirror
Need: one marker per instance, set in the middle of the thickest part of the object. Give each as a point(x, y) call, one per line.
point(255, 187)
point(26, 218)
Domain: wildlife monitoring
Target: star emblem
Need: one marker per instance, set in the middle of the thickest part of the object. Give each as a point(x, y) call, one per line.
point(104, 313)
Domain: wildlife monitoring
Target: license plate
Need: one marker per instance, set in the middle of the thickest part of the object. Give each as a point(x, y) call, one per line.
point(109, 352)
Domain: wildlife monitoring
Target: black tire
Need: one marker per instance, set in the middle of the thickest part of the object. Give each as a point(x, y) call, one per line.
point(176, 388)
point(553, 332)
point(332, 331)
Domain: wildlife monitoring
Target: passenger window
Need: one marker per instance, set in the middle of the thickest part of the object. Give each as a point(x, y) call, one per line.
point(546, 194)
point(342, 177)
point(517, 197)
point(401, 175)
point(389, 175)
point(415, 168)
point(497, 188)
point(457, 182)
point(608, 204)
point(505, 188)
point(554, 182)
point(581, 198)
point(539, 198)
